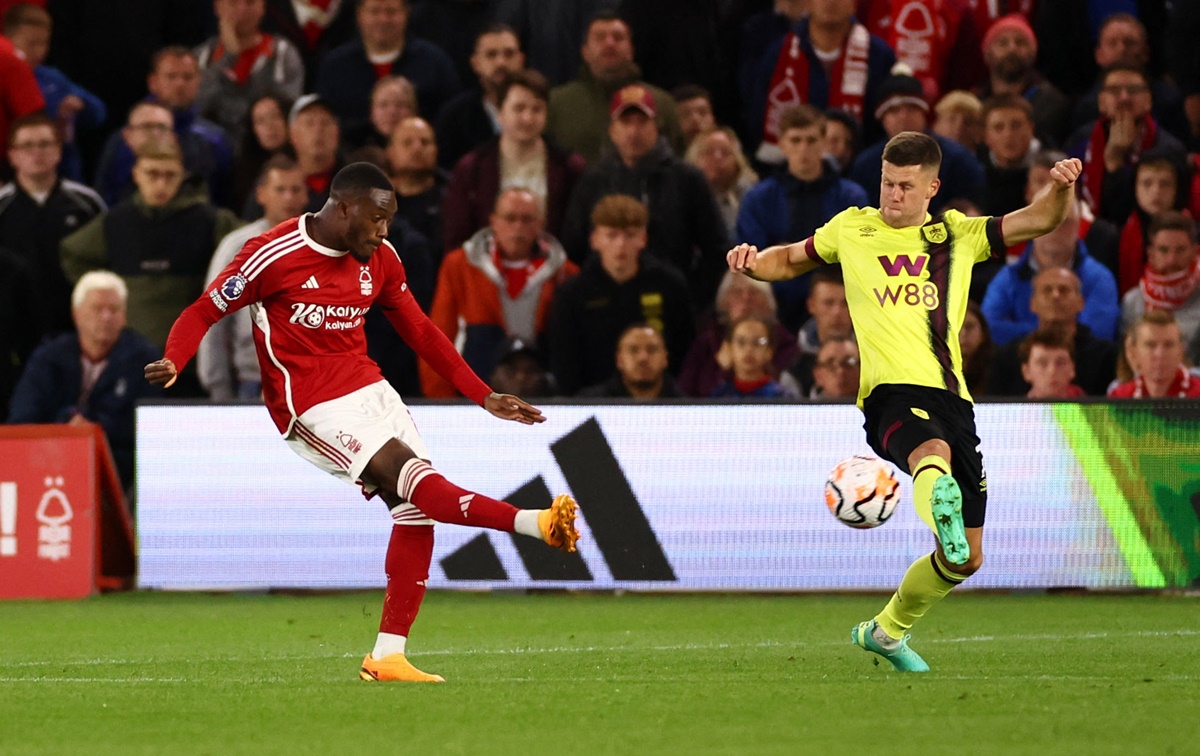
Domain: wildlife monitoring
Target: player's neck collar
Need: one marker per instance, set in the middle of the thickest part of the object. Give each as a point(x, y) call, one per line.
point(327, 251)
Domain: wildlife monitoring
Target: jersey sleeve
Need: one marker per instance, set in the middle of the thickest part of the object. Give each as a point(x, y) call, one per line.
point(822, 246)
point(425, 338)
point(980, 235)
point(239, 283)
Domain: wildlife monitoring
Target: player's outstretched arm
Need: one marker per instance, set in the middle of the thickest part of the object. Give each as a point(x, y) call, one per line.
point(161, 373)
point(777, 263)
point(1048, 208)
point(509, 407)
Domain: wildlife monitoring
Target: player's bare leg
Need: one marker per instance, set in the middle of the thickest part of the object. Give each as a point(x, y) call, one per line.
point(395, 467)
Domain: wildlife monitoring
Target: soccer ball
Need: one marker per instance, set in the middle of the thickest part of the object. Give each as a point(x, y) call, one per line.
point(862, 491)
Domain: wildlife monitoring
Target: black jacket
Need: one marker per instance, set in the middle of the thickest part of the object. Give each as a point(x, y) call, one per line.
point(685, 228)
point(33, 231)
point(590, 311)
point(1095, 366)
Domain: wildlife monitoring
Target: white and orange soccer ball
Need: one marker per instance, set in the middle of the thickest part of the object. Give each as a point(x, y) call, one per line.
point(862, 491)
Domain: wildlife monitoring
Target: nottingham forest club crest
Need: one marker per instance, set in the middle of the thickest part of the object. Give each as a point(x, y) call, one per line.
point(935, 234)
point(364, 281)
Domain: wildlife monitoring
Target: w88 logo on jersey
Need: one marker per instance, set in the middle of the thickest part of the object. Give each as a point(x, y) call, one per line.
point(913, 294)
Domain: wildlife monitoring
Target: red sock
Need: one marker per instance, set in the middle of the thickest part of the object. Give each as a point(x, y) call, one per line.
point(409, 553)
point(442, 501)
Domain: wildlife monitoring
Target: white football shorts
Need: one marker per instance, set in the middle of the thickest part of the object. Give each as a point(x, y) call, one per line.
point(341, 436)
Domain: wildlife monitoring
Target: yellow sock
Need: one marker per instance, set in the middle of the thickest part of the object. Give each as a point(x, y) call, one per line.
point(925, 583)
point(925, 474)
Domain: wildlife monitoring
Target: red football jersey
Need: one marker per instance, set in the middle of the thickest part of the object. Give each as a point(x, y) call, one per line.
point(308, 305)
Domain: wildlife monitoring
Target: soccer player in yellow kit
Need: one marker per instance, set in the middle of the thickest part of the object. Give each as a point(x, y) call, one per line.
point(907, 276)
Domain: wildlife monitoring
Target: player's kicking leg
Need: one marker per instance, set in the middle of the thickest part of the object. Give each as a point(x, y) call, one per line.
point(421, 496)
point(395, 467)
point(916, 438)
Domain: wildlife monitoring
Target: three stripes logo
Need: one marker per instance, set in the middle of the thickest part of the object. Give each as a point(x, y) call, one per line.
point(615, 519)
point(311, 283)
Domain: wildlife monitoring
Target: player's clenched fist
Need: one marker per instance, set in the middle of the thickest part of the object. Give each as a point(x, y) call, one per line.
point(1066, 171)
point(742, 258)
point(161, 373)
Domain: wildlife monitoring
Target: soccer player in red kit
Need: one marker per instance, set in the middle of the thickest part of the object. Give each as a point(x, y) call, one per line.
point(309, 282)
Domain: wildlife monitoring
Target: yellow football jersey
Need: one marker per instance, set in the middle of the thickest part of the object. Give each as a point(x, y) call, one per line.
point(907, 291)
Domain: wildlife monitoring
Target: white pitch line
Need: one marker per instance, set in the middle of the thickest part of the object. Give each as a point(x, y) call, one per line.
point(1186, 632)
point(44, 679)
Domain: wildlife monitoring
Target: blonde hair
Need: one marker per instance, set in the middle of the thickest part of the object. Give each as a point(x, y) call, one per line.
point(737, 280)
point(960, 101)
point(98, 280)
point(166, 148)
point(746, 175)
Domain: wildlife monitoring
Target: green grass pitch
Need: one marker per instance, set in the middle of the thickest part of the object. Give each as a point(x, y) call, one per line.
point(581, 674)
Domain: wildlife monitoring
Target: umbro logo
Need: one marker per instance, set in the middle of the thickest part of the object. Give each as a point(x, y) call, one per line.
point(867, 230)
point(311, 283)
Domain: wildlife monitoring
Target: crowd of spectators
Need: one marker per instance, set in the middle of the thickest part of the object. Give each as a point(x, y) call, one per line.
point(570, 174)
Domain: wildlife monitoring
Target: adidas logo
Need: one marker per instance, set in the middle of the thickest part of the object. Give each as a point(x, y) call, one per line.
point(311, 283)
point(617, 526)
point(464, 503)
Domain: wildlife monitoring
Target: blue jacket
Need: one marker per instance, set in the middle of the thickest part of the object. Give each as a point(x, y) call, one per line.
point(961, 173)
point(771, 390)
point(49, 388)
point(207, 156)
point(347, 76)
point(55, 88)
point(782, 209)
point(1006, 304)
point(880, 60)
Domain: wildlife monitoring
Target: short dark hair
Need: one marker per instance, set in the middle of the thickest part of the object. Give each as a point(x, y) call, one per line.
point(526, 78)
point(1048, 338)
point(359, 178)
point(275, 163)
point(171, 51)
point(767, 322)
point(801, 117)
point(495, 27)
point(33, 120)
point(830, 274)
point(640, 325)
point(1172, 220)
point(602, 16)
point(685, 92)
point(25, 14)
point(1007, 101)
point(1124, 66)
point(913, 148)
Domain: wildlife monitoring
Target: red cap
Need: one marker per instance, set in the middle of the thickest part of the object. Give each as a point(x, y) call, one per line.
point(633, 96)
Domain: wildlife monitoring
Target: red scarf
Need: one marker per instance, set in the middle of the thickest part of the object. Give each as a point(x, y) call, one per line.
point(515, 274)
point(922, 32)
point(789, 82)
point(1093, 158)
point(1131, 260)
point(315, 27)
point(244, 66)
point(1181, 388)
point(1170, 291)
